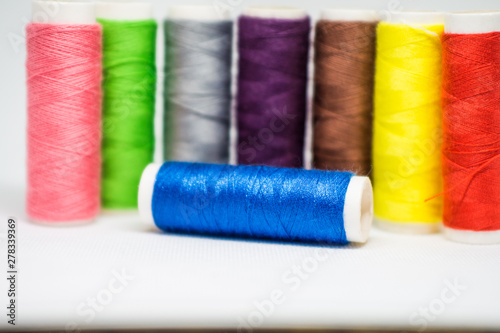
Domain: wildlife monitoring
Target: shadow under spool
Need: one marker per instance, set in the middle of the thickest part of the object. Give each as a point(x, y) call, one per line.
point(343, 95)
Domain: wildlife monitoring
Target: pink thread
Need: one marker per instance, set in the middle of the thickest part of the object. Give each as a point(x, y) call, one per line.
point(64, 121)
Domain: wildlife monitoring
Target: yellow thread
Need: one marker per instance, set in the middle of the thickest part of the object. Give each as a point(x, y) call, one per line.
point(407, 124)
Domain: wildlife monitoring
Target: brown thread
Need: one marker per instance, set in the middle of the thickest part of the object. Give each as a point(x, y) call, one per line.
point(343, 95)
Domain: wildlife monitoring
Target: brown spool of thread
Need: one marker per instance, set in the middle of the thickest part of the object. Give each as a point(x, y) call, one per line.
point(343, 90)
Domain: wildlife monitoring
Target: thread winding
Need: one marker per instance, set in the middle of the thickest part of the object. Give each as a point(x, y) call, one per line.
point(251, 201)
point(128, 108)
point(471, 133)
point(197, 90)
point(64, 114)
point(272, 91)
point(407, 124)
point(343, 95)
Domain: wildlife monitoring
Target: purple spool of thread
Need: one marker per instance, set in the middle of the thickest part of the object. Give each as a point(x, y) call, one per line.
point(272, 86)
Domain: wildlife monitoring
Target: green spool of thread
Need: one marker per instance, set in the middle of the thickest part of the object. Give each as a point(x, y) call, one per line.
point(129, 49)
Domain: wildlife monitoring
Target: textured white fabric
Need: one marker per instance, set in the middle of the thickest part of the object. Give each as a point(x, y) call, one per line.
point(206, 282)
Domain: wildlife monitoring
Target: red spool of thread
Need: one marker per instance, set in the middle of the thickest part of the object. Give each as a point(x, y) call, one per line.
point(471, 127)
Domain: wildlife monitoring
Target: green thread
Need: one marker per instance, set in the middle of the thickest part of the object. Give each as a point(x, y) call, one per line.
point(129, 85)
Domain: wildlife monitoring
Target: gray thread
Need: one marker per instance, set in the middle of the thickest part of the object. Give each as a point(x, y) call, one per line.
point(197, 90)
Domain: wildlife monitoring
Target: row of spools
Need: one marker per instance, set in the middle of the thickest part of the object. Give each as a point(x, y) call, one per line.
point(377, 105)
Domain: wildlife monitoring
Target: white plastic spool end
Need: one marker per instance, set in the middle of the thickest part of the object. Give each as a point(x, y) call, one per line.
point(145, 196)
point(411, 228)
point(279, 13)
point(63, 12)
point(472, 237)
point(417, 18)
point(124, 11)
point(349, 15)
point(63, 224)
point(197, 13)
point(358, 209)
point(477, 22)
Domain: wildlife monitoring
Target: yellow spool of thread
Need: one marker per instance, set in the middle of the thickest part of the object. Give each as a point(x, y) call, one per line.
point(407, 123)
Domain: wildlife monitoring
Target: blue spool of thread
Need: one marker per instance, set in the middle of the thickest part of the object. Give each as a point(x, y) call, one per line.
point(257, 202)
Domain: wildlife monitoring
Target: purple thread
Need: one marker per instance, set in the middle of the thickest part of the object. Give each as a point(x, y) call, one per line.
point(272, 91)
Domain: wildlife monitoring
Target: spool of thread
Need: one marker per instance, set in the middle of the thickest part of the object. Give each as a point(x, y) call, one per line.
point(407, 123)
point(471, 132)
point(257, 202)
point(343, 90)
point(272, 86)
point(198, 43)
point(129, 47)
point(64, 113)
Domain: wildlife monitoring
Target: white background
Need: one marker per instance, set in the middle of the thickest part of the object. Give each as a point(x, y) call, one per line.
point(190, 281)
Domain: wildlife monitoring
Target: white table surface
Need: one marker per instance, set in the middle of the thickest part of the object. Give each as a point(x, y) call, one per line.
point(182, 281)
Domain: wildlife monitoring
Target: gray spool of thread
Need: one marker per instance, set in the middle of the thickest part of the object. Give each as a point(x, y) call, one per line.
point(197, 85)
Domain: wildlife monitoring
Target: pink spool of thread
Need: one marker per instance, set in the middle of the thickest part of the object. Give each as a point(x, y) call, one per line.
point(64, 112)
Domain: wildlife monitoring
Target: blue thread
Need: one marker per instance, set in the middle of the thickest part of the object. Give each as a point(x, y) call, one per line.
point(251, 201)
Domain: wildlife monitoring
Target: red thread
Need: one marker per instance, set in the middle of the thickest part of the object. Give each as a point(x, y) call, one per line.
point(64, 114)
point(471, 132)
